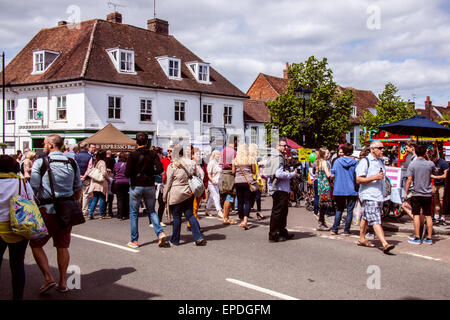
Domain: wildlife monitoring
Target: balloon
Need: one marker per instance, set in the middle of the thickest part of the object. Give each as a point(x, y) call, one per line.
point(312, 157)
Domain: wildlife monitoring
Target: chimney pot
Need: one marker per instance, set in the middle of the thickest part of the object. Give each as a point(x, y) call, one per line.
point(114, 17)
point(285, 71)
point(448, 104)
point(158, 26)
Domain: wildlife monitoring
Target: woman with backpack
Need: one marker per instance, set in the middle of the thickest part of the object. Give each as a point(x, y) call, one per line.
point(16, 244)
point(99, 188)
point(179, 197)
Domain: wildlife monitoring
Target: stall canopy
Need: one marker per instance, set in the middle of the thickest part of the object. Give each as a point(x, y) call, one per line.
point(419, 126)
point(110, 138)
point(292, 144)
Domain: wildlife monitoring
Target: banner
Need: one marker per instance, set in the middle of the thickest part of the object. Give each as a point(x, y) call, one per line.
point(303, 154)
point(395, 175)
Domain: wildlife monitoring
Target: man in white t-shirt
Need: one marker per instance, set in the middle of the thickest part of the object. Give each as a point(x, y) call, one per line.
point(370, 174)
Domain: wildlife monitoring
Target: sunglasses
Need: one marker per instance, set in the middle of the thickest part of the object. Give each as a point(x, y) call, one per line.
point(379, 148)
point(169, 150)
point(283, 145)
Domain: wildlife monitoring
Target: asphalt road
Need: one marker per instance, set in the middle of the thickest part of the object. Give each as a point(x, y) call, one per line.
point(237, 264)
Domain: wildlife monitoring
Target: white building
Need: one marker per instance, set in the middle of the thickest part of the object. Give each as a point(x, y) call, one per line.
point(73, 81)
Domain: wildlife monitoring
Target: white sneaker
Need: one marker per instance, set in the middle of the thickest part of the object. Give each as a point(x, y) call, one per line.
point(163, 224)
point(220, 214)
point(150, 225)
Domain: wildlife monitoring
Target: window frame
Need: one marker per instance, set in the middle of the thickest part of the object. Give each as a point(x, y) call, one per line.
point(254, 137)
point(198, 71)
point(354, 111)
point(42, 53)
point(115, 55)
point(208, 114)
point(180, 112)
point(61, 108)
point(32, 107)
point(228, 115)
point(178, 69)
point(10, 111)
point(146, 111)
point(114, 107)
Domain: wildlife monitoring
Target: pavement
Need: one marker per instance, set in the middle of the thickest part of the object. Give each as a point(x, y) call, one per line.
point(403, 224)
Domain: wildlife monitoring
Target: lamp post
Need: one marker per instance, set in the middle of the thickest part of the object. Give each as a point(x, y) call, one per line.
point(3, 98)
point(303, 93)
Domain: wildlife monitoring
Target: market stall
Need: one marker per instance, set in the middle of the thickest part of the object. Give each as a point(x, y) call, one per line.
point(110, 138)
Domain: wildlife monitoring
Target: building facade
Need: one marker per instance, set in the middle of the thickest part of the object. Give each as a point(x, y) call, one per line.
point(76, 80)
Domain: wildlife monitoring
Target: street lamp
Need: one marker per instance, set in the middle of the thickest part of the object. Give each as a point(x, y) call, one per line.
point(303, 93)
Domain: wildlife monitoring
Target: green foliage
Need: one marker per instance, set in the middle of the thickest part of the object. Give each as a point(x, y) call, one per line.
point(390, 108)
point(327, 113)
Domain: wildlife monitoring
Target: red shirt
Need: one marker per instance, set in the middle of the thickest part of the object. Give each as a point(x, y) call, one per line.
point(165, 162)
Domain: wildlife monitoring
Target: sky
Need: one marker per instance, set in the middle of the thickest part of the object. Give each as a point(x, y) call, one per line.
point(367, 43)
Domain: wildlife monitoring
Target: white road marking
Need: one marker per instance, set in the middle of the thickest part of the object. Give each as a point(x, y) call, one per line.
point(424, 257)
point(106, 243)
point(263, 290)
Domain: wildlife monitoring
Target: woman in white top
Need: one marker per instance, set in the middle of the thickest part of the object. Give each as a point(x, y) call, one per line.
point(17, 245)
point(215, 178)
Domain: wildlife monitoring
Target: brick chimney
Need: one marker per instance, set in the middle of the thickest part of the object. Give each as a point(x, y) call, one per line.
point(114, 17)
point(158, 26)
point(428, 108)
point(285, 72)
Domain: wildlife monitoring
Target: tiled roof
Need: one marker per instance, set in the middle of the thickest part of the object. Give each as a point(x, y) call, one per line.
point(435, 116)
point(363, 100)
point(279, 84)
point(84, 57)
point(256, 111)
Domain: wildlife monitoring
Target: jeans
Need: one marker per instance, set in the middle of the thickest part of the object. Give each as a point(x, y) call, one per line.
point(110, 203)
point(16, 264)
point(340, 205)
point(177, 210)
point(255, 196)
point(100, 198)
point(243, 199)
point(316, 197)
point(149, 196)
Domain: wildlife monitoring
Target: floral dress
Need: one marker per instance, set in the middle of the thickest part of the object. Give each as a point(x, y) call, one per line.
point(324, 188)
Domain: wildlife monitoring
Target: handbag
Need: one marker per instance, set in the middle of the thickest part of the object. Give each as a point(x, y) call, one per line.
point(67, 208)
point(195, 184)
point(96, 174)
point(24, 216)
point(254, 186)
point(227, 185)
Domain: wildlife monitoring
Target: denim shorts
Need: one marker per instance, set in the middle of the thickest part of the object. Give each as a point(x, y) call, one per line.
point(230, 198)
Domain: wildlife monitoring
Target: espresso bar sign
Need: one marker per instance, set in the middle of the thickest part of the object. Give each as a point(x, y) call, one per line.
point(121, 147)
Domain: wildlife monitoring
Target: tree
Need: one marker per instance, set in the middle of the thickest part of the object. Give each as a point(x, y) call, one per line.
point(327, 114)
point(390, 108)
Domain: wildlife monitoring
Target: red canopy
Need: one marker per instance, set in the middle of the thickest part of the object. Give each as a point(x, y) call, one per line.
point(292, 144)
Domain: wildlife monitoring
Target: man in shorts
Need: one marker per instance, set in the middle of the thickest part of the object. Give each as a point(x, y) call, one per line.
point(419, 173)
point(438, 189)
point(67, 183)
point(370, 175)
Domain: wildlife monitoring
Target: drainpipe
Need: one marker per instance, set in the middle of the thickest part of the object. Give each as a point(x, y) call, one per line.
point(48, 106)
point(201, 129)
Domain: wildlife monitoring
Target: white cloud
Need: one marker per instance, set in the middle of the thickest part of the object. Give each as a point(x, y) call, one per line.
point(241, 38)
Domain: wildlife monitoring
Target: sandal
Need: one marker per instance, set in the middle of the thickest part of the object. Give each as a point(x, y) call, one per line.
point(388, 248)
point(365, 244)
point(46, 287)
point(259, 216)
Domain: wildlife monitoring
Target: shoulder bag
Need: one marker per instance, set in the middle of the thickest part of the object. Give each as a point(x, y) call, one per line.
point(96, 174)
point(24, 216)
point(195, 184)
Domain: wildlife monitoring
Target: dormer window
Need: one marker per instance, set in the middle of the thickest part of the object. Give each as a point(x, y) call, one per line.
point(200, 71)
point(171, 67)
point(42, 60)
point(123, 60)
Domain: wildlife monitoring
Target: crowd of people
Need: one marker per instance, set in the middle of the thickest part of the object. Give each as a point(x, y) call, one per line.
point(234, 178)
